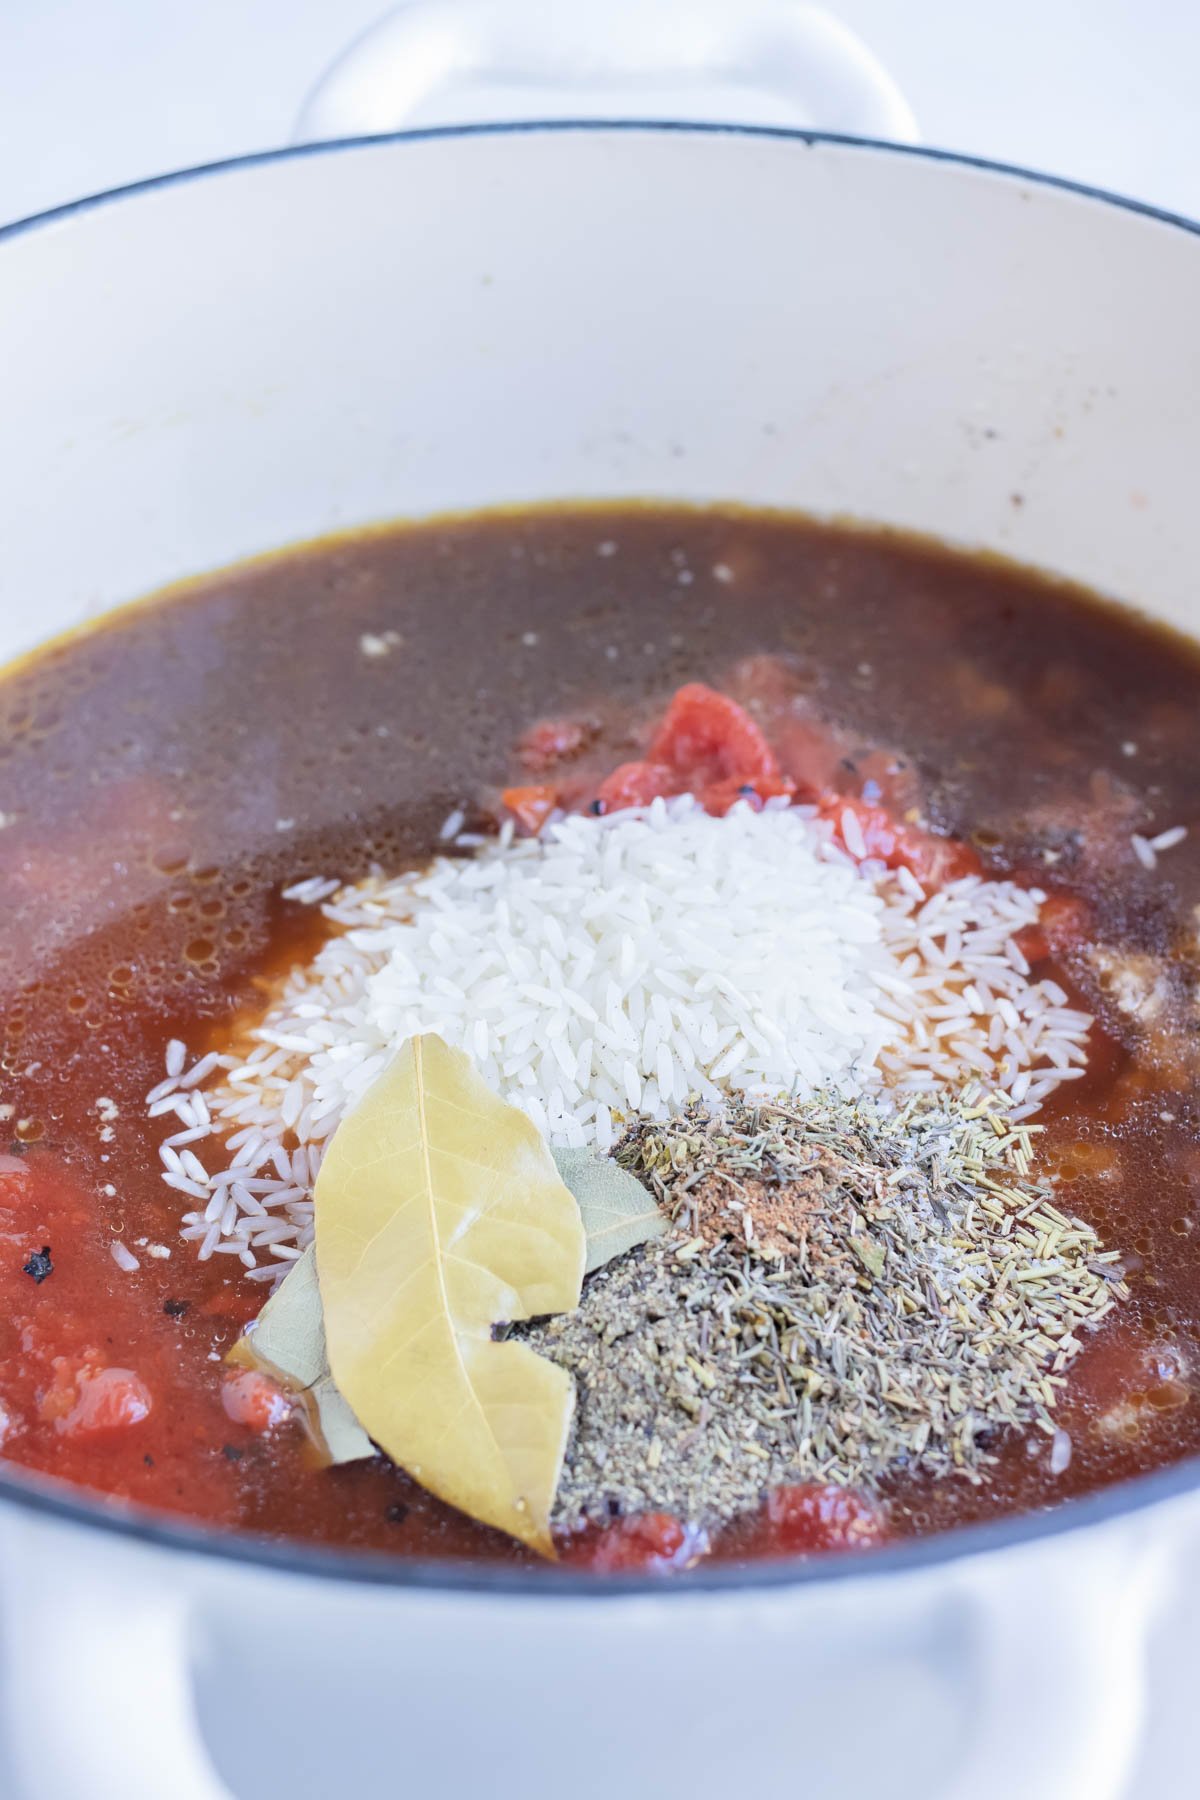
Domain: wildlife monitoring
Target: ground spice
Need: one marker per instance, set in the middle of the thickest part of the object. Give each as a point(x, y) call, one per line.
point(845, 1291)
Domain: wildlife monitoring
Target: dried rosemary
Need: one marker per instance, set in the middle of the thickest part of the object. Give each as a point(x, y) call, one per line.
point(845, 1291)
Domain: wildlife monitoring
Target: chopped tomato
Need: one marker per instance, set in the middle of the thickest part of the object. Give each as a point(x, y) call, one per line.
point(934, 860)
point(86, 1400)
point(810, 1517)
point(636, 784)
point(713, 742)
point(643, 1543)
point(254, 1400)
point(707, 745)
point(553, 741)
point(1064, 922)
point(530, 806)
point(719, 796)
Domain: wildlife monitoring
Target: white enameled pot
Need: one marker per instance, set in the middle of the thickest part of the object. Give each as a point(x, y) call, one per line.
point(227, 360)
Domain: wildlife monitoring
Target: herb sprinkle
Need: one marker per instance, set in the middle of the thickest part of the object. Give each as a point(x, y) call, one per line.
point(846, 1290)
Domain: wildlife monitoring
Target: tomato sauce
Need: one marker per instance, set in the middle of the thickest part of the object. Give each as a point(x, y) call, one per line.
point(164, 776)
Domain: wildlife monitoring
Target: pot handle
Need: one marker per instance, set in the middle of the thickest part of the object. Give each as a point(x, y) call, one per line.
point(472, 62)
point(1058, 1676)
point(98, 1693)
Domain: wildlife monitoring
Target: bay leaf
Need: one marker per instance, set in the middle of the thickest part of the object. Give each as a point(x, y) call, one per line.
point(618, 1212)
point(288, 1341)
point(439, 1212)
point(335, 1425)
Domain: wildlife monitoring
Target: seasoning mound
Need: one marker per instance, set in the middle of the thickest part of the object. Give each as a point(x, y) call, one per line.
point(846, 1291)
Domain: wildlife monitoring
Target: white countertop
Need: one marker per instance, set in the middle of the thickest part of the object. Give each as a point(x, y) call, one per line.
point(94, 93)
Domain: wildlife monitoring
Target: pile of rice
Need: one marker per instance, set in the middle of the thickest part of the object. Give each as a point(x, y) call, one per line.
point(617, 966)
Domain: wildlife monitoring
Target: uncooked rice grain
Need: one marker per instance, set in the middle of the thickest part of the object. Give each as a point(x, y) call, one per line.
point(613, 966)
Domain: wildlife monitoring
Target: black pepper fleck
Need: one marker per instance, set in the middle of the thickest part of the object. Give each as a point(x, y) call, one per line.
point(39, 1265)
point(175, 1309)
point(232, 1453)
point(397, 1512)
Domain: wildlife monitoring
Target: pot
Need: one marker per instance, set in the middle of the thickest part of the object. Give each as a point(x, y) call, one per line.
point(219, 362)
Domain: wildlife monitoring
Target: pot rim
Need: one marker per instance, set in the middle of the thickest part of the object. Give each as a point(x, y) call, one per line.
point(812, 140)
point(56, 1500)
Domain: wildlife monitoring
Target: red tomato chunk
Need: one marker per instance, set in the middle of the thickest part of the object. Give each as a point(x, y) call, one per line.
point(254, 1400)
point(636, 784)
point(707, 745)
point(644, 1544)
point(88, 1399)
point(809, 1518)
point(934, 860)
point(530, 806)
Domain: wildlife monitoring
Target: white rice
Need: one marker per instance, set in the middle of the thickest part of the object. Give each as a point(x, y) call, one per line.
point(612, 966)
point(1148, 850)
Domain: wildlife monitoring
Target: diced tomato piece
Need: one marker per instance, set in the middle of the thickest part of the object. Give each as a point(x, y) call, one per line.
point(1064, 922)
point(934, 860)
point(530, 806)
point(710, 740)
point(553, 741)
point(87, 1400)
point(880, 833)
point(636, 784)
point(810, 1517)
point(719, 796)
point(643, 1543)
point(254, 1400)
point(707, 746)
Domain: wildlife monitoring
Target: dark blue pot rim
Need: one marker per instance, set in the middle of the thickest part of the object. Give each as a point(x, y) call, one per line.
point(56, 1501)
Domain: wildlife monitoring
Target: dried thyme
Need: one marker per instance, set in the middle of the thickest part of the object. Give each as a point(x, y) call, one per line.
point(845, 1291)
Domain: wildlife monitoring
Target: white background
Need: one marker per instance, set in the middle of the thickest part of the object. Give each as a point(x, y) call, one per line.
point(94, 93)
point(98, 92)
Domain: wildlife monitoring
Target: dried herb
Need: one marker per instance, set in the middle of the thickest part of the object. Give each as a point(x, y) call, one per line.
point(39, 1265)
point(439, 1212)
point(617, 1212)
point(926, 1293)
point(288, 1341)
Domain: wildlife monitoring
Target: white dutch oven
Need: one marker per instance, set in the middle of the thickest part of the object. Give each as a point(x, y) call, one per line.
point(223, 361)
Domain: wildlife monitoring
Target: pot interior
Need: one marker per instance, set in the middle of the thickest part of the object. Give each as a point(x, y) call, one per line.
point(225, 362)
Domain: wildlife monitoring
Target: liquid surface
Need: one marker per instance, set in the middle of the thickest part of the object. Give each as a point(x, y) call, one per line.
point(164, 776)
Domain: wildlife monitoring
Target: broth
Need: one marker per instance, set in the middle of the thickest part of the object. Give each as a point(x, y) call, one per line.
point(165, 774)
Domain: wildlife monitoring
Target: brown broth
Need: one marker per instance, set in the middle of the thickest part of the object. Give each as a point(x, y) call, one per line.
point(164, 774)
